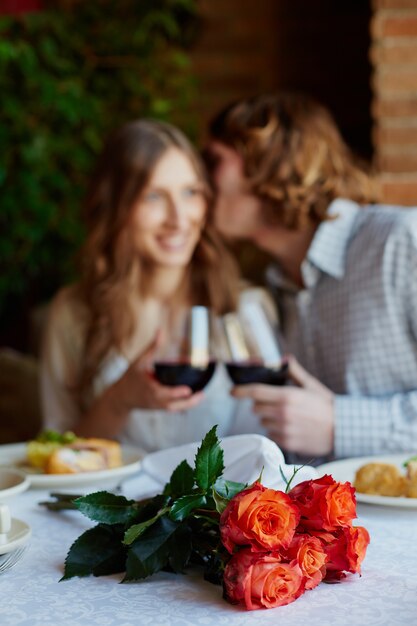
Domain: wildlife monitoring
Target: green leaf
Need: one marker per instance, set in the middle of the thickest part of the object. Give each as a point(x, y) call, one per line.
point(150, 508)
point(209, 461)
point(106, 507)
point(184, 505)
point(181, 481)
point(137, 530)
point(228, 488)
point(180, 548)
point(221, 503)
point(151, 553)
point(223, 491)
point(98, 551)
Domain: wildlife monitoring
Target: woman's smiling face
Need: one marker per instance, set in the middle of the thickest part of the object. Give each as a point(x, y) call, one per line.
point(169, 215)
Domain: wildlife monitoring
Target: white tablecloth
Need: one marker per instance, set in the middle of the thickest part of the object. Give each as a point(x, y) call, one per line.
point(30, 594)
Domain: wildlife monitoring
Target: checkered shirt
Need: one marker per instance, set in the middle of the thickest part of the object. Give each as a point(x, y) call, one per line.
point(354, 325)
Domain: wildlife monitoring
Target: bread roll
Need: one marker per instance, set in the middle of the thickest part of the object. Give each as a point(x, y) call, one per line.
point(85, 455)
point(67, 460)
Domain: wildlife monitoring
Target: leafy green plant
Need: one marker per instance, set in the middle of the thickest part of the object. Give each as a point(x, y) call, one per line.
point(68, 76)
point(165, 532)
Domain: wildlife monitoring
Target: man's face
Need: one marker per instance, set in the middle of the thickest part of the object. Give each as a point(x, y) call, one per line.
point(237, 211)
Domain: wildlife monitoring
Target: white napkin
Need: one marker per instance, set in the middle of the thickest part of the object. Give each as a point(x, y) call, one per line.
point(245, 457)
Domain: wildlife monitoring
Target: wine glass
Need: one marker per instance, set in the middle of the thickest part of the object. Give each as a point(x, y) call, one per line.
point(184, 356)
point(252, 348)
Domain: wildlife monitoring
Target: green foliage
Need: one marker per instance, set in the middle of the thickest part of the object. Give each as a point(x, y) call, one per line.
point(152, 552)
point(68, 76)
point(106, 507)
point(186, 504)
point(224, 490)
point(52, 436)
point(209, 460)
point(98, 551)
point(165, 532)
point(181, 481)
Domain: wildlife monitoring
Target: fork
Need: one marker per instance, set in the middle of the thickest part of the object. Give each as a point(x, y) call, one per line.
point(11, 559)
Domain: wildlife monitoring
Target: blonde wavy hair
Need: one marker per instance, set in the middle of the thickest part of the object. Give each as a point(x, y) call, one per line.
point(112, 275)
point(294, 157)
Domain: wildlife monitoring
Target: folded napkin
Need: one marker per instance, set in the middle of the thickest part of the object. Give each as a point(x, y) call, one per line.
point(245, 457)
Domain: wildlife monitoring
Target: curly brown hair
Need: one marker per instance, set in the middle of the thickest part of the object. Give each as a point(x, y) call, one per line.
point(112, 275)
point(294, 156)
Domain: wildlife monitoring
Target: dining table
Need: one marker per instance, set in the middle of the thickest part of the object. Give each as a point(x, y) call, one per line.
point(31, 593)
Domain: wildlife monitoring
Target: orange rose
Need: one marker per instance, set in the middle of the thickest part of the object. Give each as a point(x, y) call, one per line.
point(357, 542)
point(261, 580)
point(309, 553)
point(261, 518)
point(345, 549)
point(324, 503)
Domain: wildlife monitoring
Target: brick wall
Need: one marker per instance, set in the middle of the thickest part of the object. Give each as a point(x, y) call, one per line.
point(322, 47)
point(394, 108)
point(235, 55)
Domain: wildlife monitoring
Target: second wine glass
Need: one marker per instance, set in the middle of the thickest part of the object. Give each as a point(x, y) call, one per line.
point(184, 356)
point(252, 349)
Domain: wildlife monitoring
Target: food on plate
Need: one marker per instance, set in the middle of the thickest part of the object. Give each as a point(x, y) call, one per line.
point(411, 466)
point(385, 479)
point(40, 449)
point(68, 454)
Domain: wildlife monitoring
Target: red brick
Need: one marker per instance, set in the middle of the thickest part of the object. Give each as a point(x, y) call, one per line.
point(394, 107)
point(395, 80)
point(394, 51)
point(383, 25)
point(394, 4)
point(399, 189)
point(398, 161)
point(395, 136)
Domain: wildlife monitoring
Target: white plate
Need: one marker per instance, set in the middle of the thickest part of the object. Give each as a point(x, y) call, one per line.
point(14, 455)
point(18, 534)
point(12, 482)
point(345, 470)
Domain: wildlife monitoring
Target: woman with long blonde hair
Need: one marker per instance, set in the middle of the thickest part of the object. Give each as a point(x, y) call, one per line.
point(150, 245)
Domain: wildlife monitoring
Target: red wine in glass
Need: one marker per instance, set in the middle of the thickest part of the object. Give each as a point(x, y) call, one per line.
point(173, 373)
point(253, 350)
point(246, 372)
point(185, 357)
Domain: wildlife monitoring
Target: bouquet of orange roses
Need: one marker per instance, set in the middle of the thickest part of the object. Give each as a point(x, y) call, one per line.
point(267, 547)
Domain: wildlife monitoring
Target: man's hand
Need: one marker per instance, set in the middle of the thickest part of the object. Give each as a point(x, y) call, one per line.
point(300, 419)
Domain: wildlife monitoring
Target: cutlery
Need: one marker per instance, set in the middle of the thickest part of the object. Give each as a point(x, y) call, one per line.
point(9, 560)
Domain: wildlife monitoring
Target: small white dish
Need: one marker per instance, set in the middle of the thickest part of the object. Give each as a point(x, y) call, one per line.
point(12, 482)
point(18, 535)
point(14, 455)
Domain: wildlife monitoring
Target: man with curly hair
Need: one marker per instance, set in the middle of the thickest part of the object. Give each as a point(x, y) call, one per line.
point(343, 274)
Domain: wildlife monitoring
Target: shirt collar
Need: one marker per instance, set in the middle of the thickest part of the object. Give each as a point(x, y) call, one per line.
point(328, 249)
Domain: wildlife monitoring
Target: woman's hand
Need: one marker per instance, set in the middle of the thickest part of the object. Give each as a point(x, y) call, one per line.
point(138, 388)
point(300, 419)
